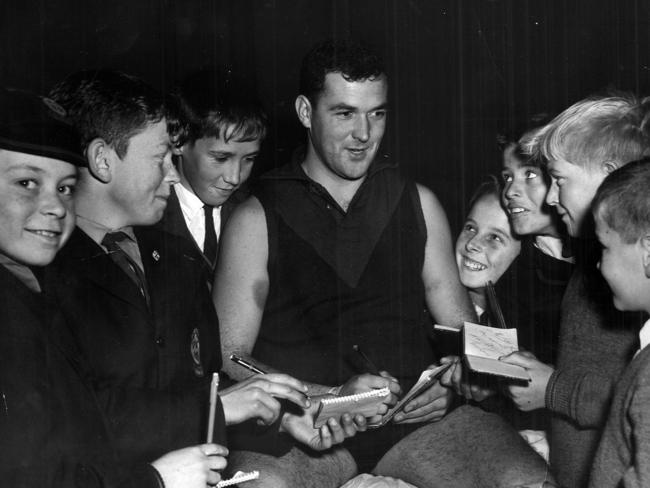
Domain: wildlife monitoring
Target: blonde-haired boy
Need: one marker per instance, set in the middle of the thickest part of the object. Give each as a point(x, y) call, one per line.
point(583, 144)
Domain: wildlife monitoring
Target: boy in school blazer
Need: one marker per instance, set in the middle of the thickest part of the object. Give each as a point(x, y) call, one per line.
point(53, 433)
point(221, 126)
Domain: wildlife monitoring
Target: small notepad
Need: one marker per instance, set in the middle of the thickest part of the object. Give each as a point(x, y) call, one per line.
point(239, 477)
point(426, 379)
point(485, 345)
point(366, 404)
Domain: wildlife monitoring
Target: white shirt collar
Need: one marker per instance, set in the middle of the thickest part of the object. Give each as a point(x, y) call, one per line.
point(644, 334)
point(194, 216)
point(551, 246)
point(191, 205)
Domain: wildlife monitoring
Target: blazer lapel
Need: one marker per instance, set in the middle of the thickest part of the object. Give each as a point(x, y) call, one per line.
point(173, 223)
point(90, 260)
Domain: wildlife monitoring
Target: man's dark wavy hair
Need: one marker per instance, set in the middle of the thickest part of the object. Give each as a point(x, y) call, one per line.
point(353, 60)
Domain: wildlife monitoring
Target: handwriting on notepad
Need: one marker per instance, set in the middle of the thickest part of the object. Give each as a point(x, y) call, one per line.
point(489, 342)
point(485, 345)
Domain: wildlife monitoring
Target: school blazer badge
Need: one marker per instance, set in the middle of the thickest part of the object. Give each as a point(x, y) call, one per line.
point(195, 350)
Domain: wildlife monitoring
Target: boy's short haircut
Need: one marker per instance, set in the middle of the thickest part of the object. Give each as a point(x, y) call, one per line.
point(35, 125)
point(597, 130)
point(353, 60)
point(110, 105)
point(623, 200)
point(212, 104)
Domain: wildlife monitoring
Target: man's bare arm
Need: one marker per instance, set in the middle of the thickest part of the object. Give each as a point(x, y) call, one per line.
point(241, 285)
point(446, 297)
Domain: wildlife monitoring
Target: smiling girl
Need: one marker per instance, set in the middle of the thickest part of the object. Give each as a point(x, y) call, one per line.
point(486, 245)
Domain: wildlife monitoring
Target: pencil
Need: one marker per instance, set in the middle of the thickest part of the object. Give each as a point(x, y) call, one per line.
point(494, 304)
point(372, 369)
point(214, 386)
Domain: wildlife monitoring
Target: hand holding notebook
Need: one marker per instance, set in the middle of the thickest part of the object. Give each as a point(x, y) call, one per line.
point(425, 381)
point(366, 404)
point(369, 402)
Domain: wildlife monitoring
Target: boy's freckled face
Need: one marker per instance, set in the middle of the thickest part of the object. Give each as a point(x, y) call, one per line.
point(143, 177)
point(36, 202)
point(485, 247)
point(572, 190)
point(621, 264)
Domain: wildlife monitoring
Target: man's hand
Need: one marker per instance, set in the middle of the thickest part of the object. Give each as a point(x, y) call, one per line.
point(301, 428)
point(428, 406)
point(366, 382)
point(454, 378)
point(531, 396)
point(256, 396)
point(192, 467)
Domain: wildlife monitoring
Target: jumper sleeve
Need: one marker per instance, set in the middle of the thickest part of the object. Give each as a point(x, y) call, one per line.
point(581, 395)
point(637, 475)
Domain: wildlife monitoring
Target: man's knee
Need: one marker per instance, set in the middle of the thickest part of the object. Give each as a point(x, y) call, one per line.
point(271, 474)
point(469, 448)
point(298, 467)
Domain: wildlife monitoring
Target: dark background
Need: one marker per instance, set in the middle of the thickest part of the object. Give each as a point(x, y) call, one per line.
point(461, 71)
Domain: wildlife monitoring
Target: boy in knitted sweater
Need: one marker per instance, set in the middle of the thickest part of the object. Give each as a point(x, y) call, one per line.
point(621, 211)
point(583, 145)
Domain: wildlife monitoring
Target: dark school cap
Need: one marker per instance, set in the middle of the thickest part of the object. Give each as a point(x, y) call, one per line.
point(37, 125)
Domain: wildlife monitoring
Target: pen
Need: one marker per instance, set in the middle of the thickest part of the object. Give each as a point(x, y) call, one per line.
point(214, 386)
point(372, 369)
point(246, 364)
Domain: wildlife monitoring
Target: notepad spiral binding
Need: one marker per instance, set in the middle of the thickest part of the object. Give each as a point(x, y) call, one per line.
point(239, 478)
point(365, 404)
point(378, 393)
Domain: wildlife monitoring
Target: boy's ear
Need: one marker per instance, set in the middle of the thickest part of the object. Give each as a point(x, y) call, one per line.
point(99, 155)
point(177, 150)
point(609, 167)
point(304, 109)
point(645, 248)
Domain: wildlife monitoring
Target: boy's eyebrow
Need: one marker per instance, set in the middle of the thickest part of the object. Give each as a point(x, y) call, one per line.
point(19, 166)
point(217, 152)
point(550, 169)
